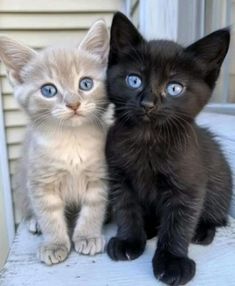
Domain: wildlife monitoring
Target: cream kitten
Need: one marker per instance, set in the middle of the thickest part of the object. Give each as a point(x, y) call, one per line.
point(62, 90)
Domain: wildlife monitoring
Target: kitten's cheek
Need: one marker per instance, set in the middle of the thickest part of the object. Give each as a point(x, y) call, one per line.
point(85, 113)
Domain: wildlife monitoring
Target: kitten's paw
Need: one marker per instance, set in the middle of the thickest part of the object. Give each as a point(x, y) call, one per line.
point(119, 249)
point(33, 226)
point(204, 235)
point(89, 246)
point(53, 253)
point(173, 270)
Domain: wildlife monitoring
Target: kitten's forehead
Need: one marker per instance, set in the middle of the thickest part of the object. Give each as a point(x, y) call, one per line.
point(164, 49)
point(154, 55)
point(165, 58)
point(62, 64)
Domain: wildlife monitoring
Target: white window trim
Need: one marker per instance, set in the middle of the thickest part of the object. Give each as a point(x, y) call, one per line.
point(224, 108)
point(183, 21)
point(179, 20)
point(4, 169)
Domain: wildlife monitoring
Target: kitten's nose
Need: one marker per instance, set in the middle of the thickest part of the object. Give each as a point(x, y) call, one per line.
point(147, 104)
point(73, 106)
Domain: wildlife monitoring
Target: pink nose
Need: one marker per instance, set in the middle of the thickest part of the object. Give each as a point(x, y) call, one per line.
point(73, 106)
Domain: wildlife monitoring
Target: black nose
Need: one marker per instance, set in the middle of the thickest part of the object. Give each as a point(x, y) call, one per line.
point(147, 104)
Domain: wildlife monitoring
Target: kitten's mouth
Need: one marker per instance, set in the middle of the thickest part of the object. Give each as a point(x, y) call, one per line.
point(76, 115)
point(149, 117)
point(146, 117)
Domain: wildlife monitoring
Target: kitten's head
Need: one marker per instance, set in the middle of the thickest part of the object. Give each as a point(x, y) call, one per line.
point(62, 84)
point(158, 81)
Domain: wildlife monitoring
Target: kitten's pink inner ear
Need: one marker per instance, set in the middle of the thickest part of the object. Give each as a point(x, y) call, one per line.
point(96, 41)
point(15, 56)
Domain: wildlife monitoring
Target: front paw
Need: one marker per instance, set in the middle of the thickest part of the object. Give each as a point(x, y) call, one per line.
point(173, 270)
point(53, 253)
point(89, 245)
point(204, 234)
point(120, 249)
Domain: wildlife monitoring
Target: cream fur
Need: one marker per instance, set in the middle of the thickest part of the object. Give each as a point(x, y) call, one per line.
point(63, 159)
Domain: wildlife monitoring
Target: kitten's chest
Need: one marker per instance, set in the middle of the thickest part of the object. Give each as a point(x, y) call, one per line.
point(141, 155)
point(146, 164)
point(74, 151)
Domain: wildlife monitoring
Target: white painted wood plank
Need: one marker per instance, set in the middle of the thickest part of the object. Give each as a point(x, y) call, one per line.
point(9, 102)
point(12, 167)
point(40, 39)
point(215, 265)
point(15, 118)
point(15, 135)
point(14, 151)
point(51, 21)
point(59, 6)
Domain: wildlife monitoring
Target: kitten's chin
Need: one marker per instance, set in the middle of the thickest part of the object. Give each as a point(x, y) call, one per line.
point(75, 121)
point(71, 121)
point(152, 119)
point(146, 118)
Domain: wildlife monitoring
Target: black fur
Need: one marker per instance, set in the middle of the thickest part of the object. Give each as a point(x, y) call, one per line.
point(167, 175)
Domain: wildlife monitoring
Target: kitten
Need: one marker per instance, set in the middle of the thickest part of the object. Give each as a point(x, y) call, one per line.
point(167, 175)
point(62, 90)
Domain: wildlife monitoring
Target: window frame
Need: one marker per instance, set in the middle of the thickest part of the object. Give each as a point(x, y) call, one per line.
point(5, 179)
point(184, 21)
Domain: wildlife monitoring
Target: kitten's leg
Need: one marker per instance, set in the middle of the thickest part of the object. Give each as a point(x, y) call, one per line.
point(49, 209)
point(151, 231)
point(179, 219)
point(215, 213)
point(130, 240)
point(87, 236)
point(23, 203)
point(204, 233)
point(206, 229)
point(151, 225)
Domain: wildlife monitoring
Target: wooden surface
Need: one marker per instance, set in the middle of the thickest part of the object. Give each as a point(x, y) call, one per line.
point(215, 265)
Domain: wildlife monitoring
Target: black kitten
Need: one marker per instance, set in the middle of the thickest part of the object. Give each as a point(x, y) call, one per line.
point(168, 175)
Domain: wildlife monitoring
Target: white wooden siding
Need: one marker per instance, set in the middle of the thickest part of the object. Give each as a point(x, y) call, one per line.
point(62, 6)
point(37, 24)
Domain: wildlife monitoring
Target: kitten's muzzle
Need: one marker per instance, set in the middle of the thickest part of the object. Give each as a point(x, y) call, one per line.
point(149, 102)
point(147, 105)
point(73, 106)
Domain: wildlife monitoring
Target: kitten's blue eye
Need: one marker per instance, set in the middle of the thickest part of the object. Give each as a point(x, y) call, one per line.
point(133, 81)
point(48, 90)
point(86, 83)
point(174, 89)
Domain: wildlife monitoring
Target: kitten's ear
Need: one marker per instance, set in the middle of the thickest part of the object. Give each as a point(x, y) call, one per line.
point(124, 35)
point(96, 41)
point(15, 56)
point(211, 51)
